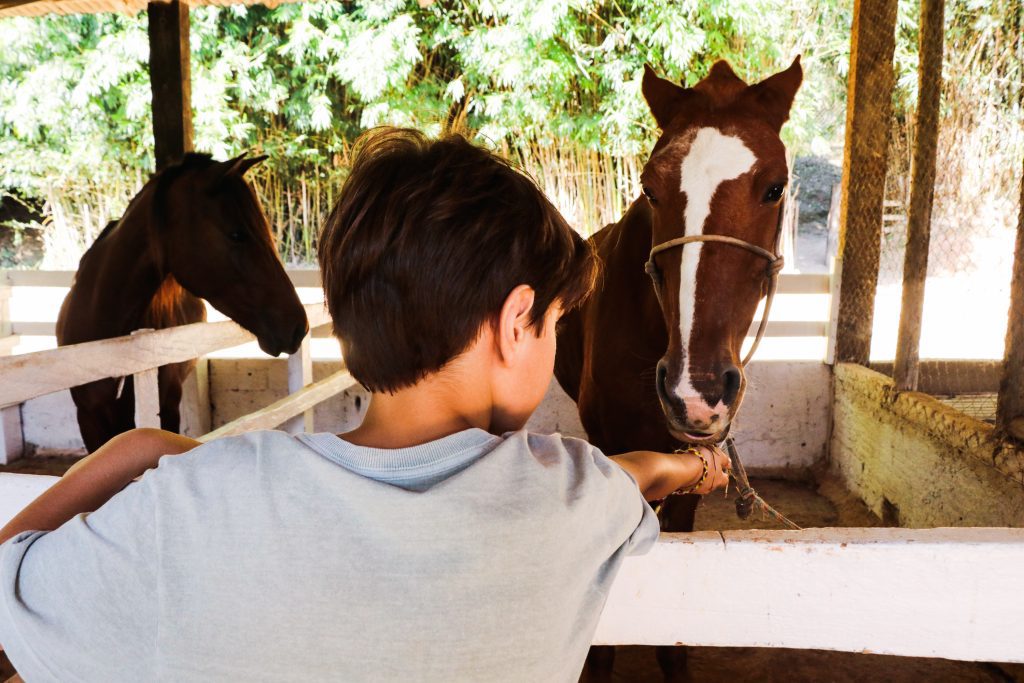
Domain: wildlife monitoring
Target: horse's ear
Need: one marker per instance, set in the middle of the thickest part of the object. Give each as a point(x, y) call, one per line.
point(240, 164)
point(775, 93)
point(663, 96)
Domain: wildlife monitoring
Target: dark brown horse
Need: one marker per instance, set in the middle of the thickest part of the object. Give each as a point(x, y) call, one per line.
point(650, 369)
point(195, 231)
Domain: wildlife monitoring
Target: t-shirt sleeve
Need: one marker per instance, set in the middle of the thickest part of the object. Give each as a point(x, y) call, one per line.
point(622, 502)
point(646, 533)
point(80, 602)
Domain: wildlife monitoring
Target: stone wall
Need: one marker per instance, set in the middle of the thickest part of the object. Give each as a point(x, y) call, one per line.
point(917, 462)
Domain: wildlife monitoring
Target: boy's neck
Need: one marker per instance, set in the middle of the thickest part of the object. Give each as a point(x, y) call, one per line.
point(444, 403)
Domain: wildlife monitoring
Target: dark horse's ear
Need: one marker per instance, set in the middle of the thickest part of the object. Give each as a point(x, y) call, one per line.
point(237, 166)
point(241, 164)
point(775, 94)
point(664, 97)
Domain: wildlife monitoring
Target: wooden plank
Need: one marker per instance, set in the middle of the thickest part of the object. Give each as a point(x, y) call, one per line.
point(922, 186)
point(951, 376)
point(300, 277)
point(196, 410)
point(789, 283)
point(147, 399)
point(170, 80)
point(791, 328)
point(5, 308)
point(12, 439)
point(803, 283)
point(909, 592)
point(1010, 408)
point(35, 374)
point(869, 97)
point(278, 412)
point(886, 591)
point(300, 374)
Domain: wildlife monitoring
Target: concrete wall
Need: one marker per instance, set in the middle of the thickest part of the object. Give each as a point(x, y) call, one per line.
point(919, 463)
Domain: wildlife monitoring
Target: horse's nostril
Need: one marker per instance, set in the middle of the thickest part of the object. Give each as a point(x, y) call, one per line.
point(731, 379)
point(661, 375)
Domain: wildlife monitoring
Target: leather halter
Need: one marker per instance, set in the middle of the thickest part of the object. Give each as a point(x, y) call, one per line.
point(775, 265)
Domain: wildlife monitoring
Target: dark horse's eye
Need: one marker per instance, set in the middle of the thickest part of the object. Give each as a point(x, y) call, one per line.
point(237, 235)
point(774, 193)
point(649, 194)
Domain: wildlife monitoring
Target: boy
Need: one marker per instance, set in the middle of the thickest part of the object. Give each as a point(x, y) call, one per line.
point(437, 541)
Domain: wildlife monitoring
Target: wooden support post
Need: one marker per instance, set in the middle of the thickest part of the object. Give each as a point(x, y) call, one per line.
point(196, 418)
point(8, 340)
point(869, 97)
point(5, 305)
point(147, 399)
point(1010, 408)
point(147, 393)
point(170, 78)
point(300, 374)
point(12, 440)
point(922, 190)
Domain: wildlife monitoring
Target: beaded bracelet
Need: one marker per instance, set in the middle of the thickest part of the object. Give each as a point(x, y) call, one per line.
point(703, 475)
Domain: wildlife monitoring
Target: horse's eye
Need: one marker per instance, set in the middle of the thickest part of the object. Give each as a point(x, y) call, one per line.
point(649, 194)
point(774, 193)
point(237, 236)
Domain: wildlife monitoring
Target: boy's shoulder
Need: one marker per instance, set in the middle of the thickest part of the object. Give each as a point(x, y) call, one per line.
point(232, 457)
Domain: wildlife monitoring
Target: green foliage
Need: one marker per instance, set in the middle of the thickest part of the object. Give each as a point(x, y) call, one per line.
point(302, 80)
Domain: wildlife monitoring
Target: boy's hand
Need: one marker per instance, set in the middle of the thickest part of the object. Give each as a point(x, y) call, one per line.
point(659, 474)
point(715, 466)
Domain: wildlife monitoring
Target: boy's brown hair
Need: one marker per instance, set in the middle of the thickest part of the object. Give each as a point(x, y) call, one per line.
point(426, 241)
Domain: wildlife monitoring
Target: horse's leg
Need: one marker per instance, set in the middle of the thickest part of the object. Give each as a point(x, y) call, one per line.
point(677, 514)
point(598, 668)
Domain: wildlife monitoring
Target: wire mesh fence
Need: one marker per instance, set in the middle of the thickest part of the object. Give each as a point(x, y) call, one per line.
point(976, 204)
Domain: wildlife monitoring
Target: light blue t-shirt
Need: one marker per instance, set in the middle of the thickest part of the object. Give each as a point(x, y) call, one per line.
point(272, 557)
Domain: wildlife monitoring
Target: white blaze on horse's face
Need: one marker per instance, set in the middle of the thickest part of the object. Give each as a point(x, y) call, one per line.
point(712, 159)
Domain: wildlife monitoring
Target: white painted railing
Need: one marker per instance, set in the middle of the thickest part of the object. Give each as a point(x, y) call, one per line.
point(949, 593)
point(789, 283)
point(30, 375)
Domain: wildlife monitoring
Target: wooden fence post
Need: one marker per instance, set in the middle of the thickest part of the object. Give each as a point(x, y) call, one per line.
point(300, 374)
point(12, 440)
point(922, 190)
point(5, 305)
point(171, 80)
point(12, 444)
point(1010, 408)
point(147, 394)
point(869, 97)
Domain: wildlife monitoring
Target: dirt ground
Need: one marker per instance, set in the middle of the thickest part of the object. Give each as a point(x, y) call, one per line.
point(820, 503)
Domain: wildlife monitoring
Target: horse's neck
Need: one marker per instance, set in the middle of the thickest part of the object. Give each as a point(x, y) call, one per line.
point(121, 270)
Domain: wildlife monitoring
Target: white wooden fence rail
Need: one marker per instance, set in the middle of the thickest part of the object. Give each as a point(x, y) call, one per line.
point(789, 283)
point(30, 375)
point(911, 592)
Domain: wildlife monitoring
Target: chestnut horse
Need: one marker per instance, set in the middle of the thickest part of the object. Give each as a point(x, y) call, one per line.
point(195, 230)
point(650, 367)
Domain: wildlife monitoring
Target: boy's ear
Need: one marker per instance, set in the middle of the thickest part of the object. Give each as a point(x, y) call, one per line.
point(514, 320)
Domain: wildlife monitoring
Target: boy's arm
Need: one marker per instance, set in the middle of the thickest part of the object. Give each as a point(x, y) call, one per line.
point(659, 474)
point(96, 478)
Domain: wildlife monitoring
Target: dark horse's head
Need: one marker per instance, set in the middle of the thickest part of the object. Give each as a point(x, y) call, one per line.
point(213, 237)
point(719, 168)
